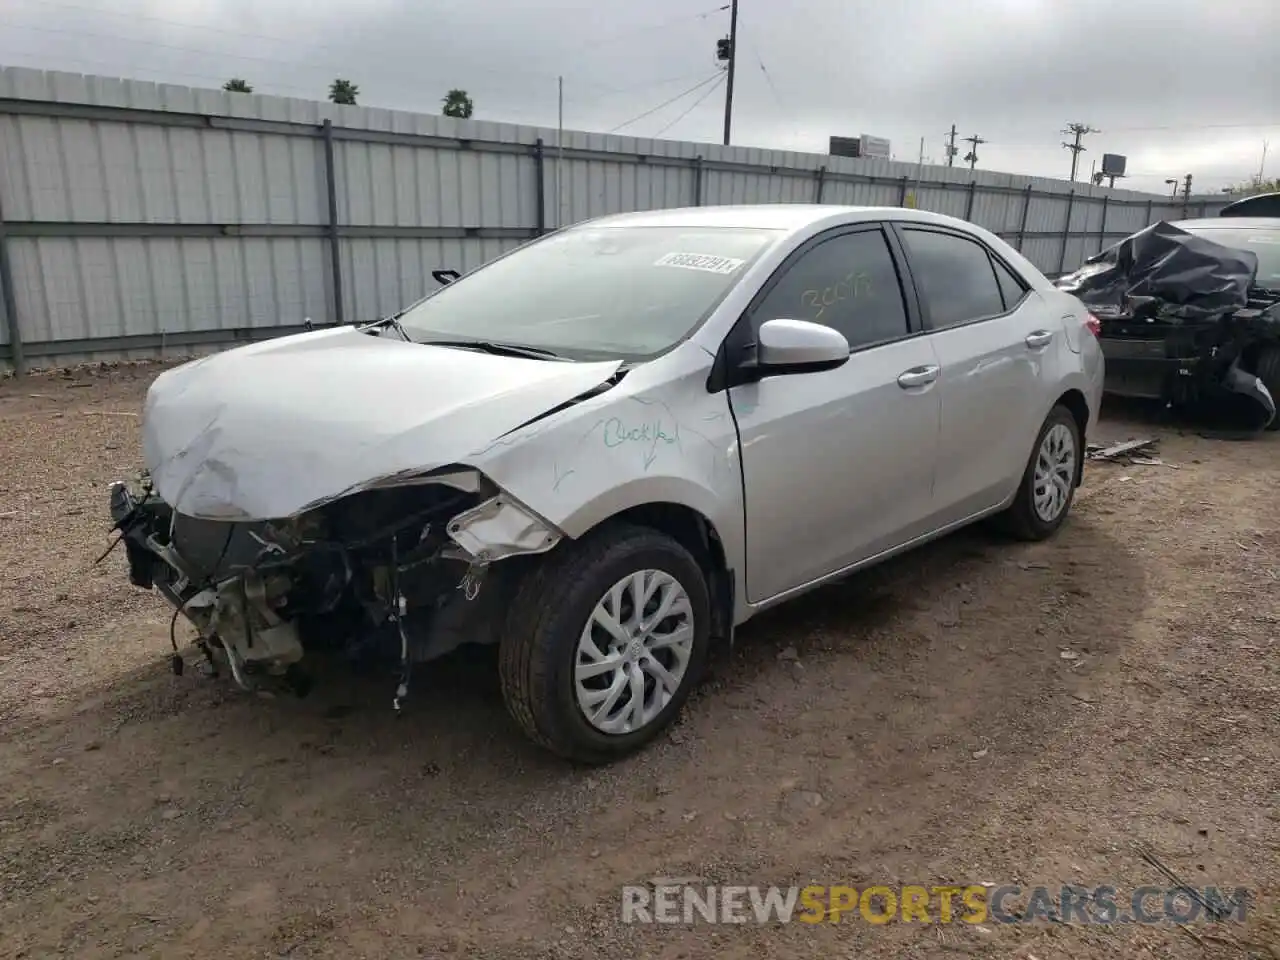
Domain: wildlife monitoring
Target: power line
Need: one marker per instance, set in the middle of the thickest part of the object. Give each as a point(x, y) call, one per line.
point(777, 98)
point(293, 41)
point(162, 73)
point(415, 79)
point(672, 21)
point(638, 88)
point(693, 106)
point(1197, 126)
point(666, 103)
point(173, 23)
point(768, 79)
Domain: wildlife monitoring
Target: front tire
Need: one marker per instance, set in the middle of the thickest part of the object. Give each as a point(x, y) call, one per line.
point(1049, 482)
point(604, 641)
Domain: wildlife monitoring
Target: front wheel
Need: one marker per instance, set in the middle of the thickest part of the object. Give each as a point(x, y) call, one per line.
point(604, 641)
point(1049, 482)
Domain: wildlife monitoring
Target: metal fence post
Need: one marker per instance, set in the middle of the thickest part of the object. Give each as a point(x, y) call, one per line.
point(968, 204)
point(1102, 230)
point(821, 180)
point(9, 305)
point(540, 188)
point(697, 180)
point(1066, 232)
point(1022, 227)
point(335, 251)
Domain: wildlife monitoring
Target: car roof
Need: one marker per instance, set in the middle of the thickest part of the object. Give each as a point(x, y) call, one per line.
point(1230, 223)
point(770, 216)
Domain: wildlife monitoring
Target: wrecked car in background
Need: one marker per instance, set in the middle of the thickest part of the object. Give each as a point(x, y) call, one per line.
point(607, 448)
point(1190, 314)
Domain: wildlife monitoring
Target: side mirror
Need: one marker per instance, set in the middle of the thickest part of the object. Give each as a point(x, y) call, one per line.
point(799, 346)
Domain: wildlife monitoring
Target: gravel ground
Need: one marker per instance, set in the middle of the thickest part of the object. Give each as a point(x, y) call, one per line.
point(976, 711)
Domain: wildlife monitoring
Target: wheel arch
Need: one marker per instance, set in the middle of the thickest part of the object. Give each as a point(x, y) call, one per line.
point(698, 534)
point(1074, 400)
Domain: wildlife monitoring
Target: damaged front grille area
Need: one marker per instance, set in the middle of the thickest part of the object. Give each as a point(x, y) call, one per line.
point(381, 571)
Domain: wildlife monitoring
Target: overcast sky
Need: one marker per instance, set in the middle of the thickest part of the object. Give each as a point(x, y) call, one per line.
point(1178, 86)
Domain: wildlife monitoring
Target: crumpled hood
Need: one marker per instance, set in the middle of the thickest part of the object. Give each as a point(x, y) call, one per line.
point(264, 431)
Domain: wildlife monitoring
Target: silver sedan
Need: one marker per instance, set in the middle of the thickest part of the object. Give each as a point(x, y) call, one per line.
point(608, 448)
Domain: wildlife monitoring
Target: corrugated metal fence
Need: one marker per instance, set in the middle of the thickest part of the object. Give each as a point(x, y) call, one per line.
point(138, 217)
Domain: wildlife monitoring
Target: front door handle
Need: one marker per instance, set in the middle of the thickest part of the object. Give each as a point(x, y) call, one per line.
point(1039, 339)
point(918, 377)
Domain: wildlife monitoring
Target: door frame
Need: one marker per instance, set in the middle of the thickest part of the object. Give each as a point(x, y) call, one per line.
point(896, 228)
point(739, 343)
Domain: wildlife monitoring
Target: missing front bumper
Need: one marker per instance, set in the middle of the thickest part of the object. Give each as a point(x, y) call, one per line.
point(393, 571)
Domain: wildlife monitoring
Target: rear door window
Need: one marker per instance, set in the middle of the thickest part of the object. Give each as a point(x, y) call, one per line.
point(954, 275)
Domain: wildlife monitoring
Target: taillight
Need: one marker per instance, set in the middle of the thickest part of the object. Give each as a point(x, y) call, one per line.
point(1094, 325)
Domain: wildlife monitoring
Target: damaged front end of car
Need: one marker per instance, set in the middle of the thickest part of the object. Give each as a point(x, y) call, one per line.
point(394, 568)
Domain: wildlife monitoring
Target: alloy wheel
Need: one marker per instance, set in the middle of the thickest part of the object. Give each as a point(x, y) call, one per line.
point(634, 652)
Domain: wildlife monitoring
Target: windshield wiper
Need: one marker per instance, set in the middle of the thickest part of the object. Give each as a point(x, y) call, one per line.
point(499, 349)
point(394, 323)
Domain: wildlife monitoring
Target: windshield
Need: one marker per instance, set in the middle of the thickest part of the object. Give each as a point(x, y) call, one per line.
point(594, 292)
point(1265, 243)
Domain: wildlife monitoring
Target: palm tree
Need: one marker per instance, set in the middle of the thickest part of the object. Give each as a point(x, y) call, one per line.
point(458, 104)
point(343, 91)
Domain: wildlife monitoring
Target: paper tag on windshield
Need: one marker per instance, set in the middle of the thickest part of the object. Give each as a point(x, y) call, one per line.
point(699, 261)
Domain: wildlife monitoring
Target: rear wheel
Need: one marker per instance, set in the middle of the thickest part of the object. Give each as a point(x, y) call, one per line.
point(1267, 369)
point(1049, 481)
point(604, 642)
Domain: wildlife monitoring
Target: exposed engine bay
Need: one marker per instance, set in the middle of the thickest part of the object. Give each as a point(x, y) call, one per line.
point(395, 570)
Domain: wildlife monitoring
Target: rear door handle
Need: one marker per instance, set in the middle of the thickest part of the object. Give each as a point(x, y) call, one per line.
point(918, 377)
point(1039, 339)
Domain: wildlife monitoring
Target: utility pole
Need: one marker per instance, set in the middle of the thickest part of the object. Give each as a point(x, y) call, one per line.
point(733, 58)
point(560, 153)
point(1079, 129)
point(972, 155)
point(1186, 193)
point(951, 146)
point(912, 202)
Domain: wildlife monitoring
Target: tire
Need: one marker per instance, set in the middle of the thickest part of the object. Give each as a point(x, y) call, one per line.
point(1267, 369)
point(540, 652)
point(1022, 519)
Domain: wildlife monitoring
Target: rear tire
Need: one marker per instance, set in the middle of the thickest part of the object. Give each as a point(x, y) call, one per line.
point(1049, 482)
point(1267, 369)
point(569, 680)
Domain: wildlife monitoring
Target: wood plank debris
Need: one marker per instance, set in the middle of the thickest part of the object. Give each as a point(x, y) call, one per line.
point(1116, 451)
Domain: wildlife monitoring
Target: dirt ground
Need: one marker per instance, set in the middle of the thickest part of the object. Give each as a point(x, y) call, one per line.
point(978, 711)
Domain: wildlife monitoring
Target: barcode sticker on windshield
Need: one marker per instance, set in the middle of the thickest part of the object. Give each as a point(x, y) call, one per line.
point(699, 261)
